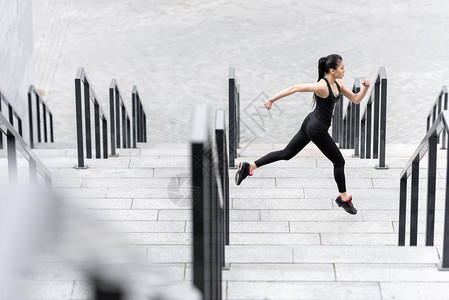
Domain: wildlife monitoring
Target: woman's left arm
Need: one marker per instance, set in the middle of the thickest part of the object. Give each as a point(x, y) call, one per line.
point(356, 98)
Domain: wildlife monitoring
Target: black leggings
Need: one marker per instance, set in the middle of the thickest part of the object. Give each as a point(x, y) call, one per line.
point(315, 131)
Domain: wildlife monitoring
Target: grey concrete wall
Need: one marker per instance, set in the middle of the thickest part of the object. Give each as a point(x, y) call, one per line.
point(16, 53)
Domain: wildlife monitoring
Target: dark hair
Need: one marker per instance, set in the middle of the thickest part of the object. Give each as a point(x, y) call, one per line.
point(324, 64)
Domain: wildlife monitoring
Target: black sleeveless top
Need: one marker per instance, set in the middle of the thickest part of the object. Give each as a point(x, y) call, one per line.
point(325, 106)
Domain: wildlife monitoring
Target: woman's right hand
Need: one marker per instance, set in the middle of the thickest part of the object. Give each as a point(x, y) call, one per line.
point(267, 104)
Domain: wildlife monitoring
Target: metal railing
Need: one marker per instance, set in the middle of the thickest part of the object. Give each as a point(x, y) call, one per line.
point(208, 231)
point(89, 96)
point(12, 115)
point(139, 119)
point(39, 122)
point(234, 117)
point(220, 139)
point(428, 144)
point(378, 97)
point(14, 141)
point(437, 107)
point(119, 119)
point(372, 128)
point(346, 130)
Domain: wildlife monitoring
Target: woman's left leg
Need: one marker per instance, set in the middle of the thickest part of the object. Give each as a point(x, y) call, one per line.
point(326, 144)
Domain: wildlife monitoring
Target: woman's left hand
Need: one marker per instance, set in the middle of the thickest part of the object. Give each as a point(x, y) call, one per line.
point(365, 83)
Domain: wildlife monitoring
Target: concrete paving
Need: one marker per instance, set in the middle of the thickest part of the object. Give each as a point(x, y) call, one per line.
point(179, 53)
point(294, 243)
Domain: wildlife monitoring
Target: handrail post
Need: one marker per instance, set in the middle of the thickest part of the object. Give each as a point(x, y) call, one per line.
point(368, 129)
point(362, 138)
point(30, 120)
point(79, 123)
point(97, 130)
point(376, 117)
point(134, 116)
point(431, 189)
point(445, 257)
point(444, 142)
point(144, 127)
point(356, 89)
point(238, 114)
point(402, 210)
point(232, 119)
point(112, 118)
point(123, 126)
point(117, 117)
point(44, 112)
point(38, 118)
point(414, 204)
point(220, 136)
point(128, 133)
point(51, 129)
point(105, 138)
point(87, 119)
point(12, 157)
point(383, 125)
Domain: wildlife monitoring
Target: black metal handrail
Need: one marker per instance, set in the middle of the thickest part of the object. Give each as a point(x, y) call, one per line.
point(346, 129)
point(428, 144)
point(119, 116)
point(12, 115)
point(89, 96)
point(208, 212)
point(437, 107)
point(234, 117)
point(15, 141)
point(220, 139)
point(35, 122)
point(379, 97)
point(139, 119)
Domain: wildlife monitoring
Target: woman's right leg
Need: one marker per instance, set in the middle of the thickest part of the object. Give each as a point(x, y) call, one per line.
point(297, 143)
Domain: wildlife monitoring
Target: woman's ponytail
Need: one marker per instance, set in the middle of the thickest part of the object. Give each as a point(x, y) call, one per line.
point(321, 67)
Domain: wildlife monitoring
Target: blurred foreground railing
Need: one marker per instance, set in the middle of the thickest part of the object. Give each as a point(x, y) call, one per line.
point(427, 145)
point(234, 117)
point(36, 221)
point(14, 142)
point(208, 208)
point(220, 140)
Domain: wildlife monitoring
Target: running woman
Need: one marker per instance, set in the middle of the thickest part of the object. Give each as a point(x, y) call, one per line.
point(327, 91)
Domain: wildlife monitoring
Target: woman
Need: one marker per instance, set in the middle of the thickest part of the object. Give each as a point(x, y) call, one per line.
point(327, 92)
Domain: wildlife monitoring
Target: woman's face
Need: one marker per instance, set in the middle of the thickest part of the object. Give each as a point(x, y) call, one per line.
point(340, 71)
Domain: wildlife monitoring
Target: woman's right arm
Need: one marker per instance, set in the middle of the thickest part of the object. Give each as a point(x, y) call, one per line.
point(316, 87)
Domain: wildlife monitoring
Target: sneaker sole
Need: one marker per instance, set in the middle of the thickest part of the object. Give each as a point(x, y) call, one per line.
point(238, 172)
point(345, 209)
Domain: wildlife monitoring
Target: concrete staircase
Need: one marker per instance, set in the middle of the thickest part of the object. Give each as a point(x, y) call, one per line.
point(289, 240)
